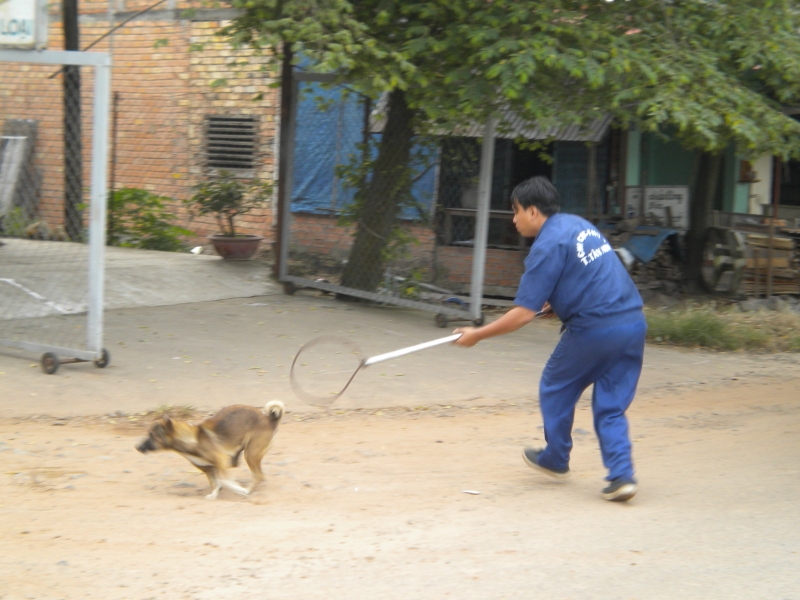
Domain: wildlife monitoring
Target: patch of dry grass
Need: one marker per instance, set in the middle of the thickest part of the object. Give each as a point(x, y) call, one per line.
point(725, 328)
point(182, 413)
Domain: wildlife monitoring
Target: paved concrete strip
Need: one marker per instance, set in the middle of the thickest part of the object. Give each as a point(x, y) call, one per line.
point(54, 278)
point(148, 278)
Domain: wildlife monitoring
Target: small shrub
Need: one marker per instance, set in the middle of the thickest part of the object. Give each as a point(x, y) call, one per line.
point(14, 224)
point(140, 219)
point(227, 197)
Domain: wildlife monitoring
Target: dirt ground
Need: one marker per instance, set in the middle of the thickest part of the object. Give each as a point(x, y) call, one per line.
point(375, 503)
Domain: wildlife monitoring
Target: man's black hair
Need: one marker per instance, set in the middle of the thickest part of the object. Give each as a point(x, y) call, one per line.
point(539, 192)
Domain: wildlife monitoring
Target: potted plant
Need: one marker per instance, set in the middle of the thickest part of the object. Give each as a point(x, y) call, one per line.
point(226, 197)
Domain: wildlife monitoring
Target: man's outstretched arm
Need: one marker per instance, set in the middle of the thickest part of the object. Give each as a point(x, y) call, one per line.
point(511, 321)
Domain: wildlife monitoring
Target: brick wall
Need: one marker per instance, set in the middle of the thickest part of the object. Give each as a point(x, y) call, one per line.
point(164, 67)
point(129, 6)
point(503, 267)
point(319, 235)
point(246, 75)
point(161, 80)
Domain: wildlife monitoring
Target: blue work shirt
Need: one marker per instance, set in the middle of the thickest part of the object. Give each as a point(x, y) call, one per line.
point(572, 266)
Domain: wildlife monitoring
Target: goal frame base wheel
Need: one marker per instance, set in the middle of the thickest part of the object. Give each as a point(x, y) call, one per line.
point(49, 363)
point(102, 362)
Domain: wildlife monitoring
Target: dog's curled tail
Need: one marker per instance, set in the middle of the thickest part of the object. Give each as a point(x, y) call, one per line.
point(274, 410)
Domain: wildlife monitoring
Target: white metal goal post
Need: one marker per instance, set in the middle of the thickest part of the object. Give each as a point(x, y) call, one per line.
point(100, 62)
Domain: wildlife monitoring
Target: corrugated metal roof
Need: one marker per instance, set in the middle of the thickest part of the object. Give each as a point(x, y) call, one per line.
point(517, 127)
point(513, 127)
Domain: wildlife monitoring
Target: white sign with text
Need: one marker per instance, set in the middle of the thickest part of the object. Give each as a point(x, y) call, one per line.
point(23, 24)
point(656, 200)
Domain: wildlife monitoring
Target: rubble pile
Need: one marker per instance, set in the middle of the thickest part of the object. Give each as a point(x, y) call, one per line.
point(654, 262)
point(663, 273)
point(744, 253)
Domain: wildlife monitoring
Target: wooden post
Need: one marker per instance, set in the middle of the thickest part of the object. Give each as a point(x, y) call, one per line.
point(73, 140)
point(622, 172)
point(114, 117)
point(591, 183)
point(776, 200)
point(757, 275)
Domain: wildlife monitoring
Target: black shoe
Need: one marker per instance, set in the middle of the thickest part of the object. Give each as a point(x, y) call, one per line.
point(620, 490)
point(531, 457)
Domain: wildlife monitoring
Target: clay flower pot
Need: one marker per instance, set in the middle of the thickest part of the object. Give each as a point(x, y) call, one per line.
point(240, 247)
point(226, 197)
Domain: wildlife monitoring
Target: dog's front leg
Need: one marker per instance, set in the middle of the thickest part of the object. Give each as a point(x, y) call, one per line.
point(211, 472)
point(213, 480)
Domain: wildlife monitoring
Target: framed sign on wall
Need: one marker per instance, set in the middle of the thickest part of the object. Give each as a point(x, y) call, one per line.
point(23, 24)
point(655, 200)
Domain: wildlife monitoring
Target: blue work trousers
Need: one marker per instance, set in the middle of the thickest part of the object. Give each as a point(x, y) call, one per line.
point(611, 359)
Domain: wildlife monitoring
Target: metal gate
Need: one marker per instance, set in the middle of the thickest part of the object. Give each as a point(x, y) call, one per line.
point(332, 152)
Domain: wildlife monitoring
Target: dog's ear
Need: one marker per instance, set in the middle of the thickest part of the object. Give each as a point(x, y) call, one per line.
point(167, 422)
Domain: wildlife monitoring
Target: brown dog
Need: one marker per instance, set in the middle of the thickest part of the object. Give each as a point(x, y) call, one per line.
point(214, 445)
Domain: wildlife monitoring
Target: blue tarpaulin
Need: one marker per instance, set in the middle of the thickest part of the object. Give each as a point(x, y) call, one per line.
point(329, 130)
point(644, 247)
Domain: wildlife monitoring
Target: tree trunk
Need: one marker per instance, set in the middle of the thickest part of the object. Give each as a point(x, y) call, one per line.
point(705, 190)
point(73, 146)
point(383, 197)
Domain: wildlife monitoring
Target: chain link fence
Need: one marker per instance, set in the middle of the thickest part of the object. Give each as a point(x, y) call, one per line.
point(53, 147)
point(378, 211)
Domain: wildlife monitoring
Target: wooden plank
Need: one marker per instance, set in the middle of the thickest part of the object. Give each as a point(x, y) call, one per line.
point(471, 212)
point(777, 262)
point(762, 241)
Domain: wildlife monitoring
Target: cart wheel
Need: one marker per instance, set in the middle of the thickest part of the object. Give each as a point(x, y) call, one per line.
point(440, 320)
point(724, 260)
point(289, 288)
point(479, 321)
point(49, 363)
point(102, 362)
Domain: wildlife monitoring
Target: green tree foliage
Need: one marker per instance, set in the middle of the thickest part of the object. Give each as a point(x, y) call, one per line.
point(716, 72)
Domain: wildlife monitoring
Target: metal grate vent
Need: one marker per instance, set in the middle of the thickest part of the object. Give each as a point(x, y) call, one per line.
point(231, 142)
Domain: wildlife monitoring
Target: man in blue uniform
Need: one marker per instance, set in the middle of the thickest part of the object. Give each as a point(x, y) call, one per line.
point(573, 271)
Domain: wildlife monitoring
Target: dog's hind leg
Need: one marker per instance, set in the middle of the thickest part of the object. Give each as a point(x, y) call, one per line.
point(253, 455)
point(235, 457)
